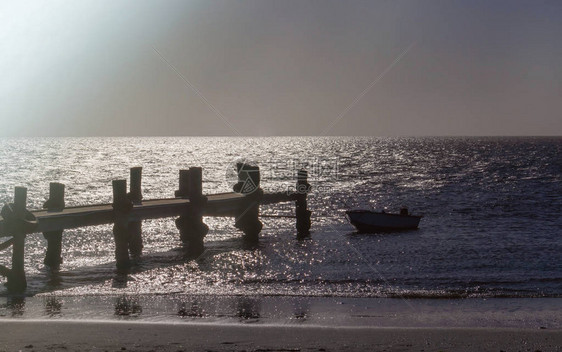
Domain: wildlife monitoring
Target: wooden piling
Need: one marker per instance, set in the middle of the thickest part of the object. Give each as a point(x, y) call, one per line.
point(20, 201)
point(135, 238)
point(121, 200)
point(135, 191)
point(195, 183)
point(247, 215)
point(56, 197)
point(17, 281)
point(190, 224)
point(121, 208)
point(135, 227)
point(301, 207)
point(53, 257)
point(183, 191)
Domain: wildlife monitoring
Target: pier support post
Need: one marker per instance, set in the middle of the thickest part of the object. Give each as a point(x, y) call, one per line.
point(121, 208)
point(191, 226)
point(301, 207)
point(135, 227)
point(53, 257)
point(247, 217)
point(19, 222)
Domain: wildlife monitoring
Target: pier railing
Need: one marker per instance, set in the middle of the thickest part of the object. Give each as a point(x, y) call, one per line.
point(128, 210)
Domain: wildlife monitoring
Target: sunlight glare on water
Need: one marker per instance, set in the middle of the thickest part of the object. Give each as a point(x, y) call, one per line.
point(491, 211)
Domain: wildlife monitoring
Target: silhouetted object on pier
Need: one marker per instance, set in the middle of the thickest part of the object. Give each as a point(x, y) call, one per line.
point(248, 178)
point(53, 256)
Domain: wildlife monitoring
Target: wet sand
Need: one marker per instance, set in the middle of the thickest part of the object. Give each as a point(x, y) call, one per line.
point(52, 335)
point(230, 323)
point(519, 313)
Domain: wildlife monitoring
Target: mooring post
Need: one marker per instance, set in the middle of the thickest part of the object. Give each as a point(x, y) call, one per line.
point(301, 207)
point(191, 226)
point(195, 183)
point(53, 257)
point(16, 279)
point(135, 227)
point(135, 190)
point(122, 205)
point(247, 216)
point(183, 191)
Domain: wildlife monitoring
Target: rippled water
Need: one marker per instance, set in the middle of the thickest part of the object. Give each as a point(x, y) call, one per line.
point(492, 221)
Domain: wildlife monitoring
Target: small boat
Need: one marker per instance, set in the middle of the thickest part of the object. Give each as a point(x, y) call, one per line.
point(372, 221)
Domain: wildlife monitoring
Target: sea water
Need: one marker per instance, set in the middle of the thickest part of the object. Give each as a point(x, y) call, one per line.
point(492, 220)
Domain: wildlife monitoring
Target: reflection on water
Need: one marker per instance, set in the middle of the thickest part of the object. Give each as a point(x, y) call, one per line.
point(120, 280)
point(15, 305)
point(248, 308)
point(53, 306)
point(191, 310)
point(301, 310)
point(319, 311)
point(53, 279)
point(127, 307)
point(192, 251)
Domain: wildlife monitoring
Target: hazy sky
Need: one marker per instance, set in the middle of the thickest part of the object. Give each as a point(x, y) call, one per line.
point(382, 68)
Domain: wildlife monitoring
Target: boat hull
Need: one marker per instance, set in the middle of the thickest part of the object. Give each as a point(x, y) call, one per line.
point(369, 221)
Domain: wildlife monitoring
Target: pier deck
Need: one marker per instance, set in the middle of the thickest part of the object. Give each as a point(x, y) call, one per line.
point(220, 204)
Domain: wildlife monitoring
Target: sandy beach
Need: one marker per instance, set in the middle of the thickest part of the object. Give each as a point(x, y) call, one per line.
point(193, 323)
point(120, 336)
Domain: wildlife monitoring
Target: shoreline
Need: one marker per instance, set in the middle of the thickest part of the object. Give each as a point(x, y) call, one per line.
point(145, 336)
point(515, 313)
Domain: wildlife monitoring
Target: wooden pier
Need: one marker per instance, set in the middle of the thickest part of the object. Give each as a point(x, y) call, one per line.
point(129, 209)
